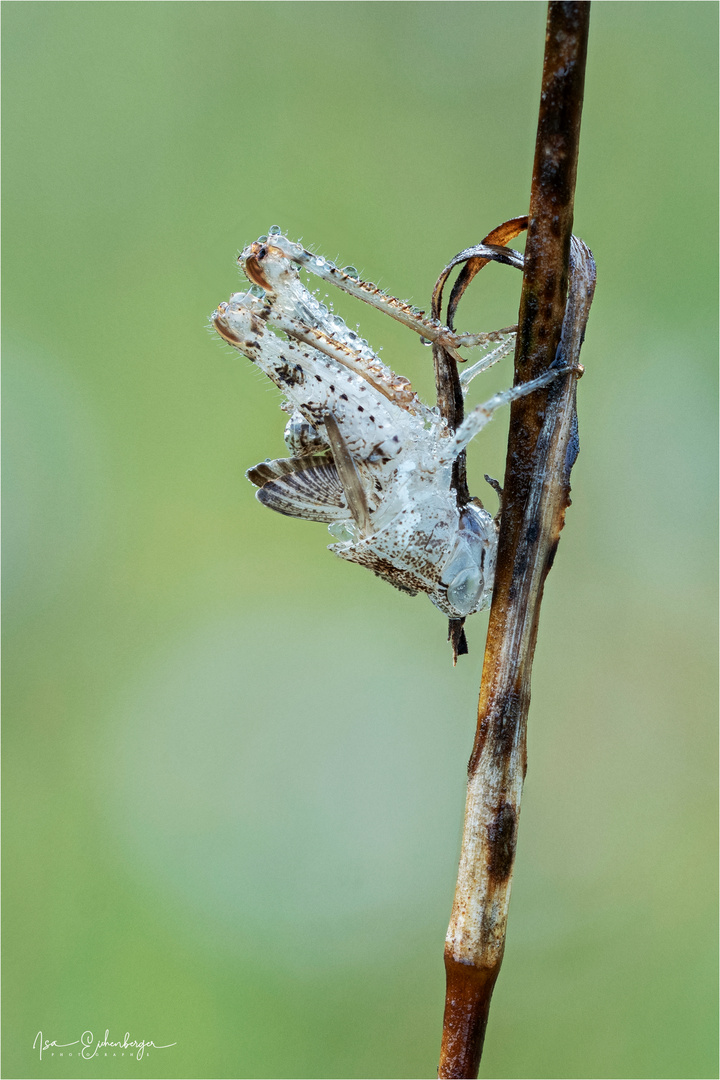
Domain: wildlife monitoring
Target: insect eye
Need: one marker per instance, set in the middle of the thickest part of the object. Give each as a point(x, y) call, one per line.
point(464, 591)
point(262, 252)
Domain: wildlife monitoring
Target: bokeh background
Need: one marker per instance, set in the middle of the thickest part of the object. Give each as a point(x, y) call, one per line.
point(235, 766)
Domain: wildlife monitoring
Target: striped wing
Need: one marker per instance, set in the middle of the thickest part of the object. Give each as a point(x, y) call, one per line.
point(304, 487)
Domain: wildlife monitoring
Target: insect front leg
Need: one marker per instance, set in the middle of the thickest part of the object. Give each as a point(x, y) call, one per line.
point(486, 362)
point(481, 415)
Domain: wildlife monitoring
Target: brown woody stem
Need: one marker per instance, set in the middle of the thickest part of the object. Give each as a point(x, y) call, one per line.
point(541, 450)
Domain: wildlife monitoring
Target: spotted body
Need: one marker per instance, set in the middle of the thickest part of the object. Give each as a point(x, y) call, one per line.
point(367, 456)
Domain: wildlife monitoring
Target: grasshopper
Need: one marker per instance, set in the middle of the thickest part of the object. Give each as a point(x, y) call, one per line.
point(366, 455)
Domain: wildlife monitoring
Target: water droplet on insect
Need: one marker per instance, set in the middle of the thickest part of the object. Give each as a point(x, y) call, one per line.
point(274, 230)
point(351, 271)
point(424, 341)
point(416, 310)
point(335, 320)
point(261, 239)
point(320, 261)
point(340, 531)
point(257, 291)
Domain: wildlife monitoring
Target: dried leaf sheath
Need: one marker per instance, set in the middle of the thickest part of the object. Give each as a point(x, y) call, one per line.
point(541, 447)
point(447, 380)
point(476, 935)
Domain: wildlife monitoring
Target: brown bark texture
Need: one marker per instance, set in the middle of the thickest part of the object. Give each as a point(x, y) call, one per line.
point(541, 451)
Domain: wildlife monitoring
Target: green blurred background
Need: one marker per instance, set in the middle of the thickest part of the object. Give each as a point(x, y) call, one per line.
point(235, 766)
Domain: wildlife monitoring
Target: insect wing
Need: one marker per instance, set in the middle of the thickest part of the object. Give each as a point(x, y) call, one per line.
point(307, 488)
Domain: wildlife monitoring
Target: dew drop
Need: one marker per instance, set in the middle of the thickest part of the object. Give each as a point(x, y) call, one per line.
point(261, 239)
point(340, 531)
point(257, 291)
point(351, 271)
point(274, 230)
point(424, 341)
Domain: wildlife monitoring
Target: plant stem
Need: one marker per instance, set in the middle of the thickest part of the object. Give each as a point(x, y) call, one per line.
point(541, 450)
